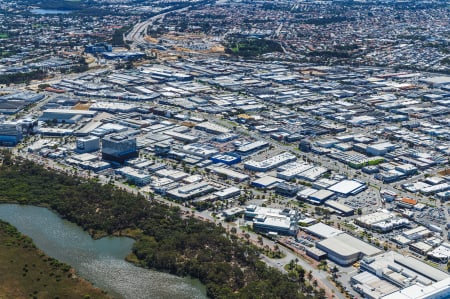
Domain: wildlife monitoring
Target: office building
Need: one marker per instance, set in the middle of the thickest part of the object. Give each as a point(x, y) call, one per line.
point(87, 144)
point(228, 192)
point(10, 134)
point(135, 176)
point(275, 223)
point(161, 149)
point(98, 48)
point(268, 220)
point(286, 189)
point(191, 191)
point(118, 148)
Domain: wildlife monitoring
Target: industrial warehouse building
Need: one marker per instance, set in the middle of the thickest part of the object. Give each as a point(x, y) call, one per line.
point(320, 197)
point(133, 175)
point(402, 267)
point(123, 55)
point(340, 247)
point(266, 182)
point(212, 128)
point(391, 275)
point(270, 163)
point(200, 150)
point(380, 149)
point(383, 221)
point(348, 187)
point(371, 286)
point(16, 101)
point(315, 253)
point(69, 116)
point(437, 290)
point(340, 208)
point(344, 249)
point(230, 174)
point(291, 170)
point(252, 147)
point(228, 159)
point(312, 174)
point(225, 137)
point(228, 192)
point(322, 231)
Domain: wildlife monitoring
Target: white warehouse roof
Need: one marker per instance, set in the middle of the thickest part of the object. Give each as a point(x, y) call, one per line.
point(346, 186)
point(322, 230)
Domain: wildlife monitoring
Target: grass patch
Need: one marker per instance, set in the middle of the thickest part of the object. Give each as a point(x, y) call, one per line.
point(250, 47)
point(432, 264)
point(132, 258)
point(246, 228)
point(274, 254)
point(349, 226)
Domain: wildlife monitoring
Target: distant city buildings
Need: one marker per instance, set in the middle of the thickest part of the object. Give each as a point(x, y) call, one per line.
point(347, 125)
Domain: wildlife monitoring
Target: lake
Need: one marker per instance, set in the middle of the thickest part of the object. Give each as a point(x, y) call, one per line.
point(41, 11)
point(99, 261)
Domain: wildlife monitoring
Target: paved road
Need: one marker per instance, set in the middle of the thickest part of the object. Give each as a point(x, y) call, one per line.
point(139, 32)
point(320, 275)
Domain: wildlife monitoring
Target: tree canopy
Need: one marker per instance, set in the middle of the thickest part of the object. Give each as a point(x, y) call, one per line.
point(166, 240)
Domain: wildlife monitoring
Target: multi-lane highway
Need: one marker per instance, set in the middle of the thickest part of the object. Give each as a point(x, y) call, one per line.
point(137, 35)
